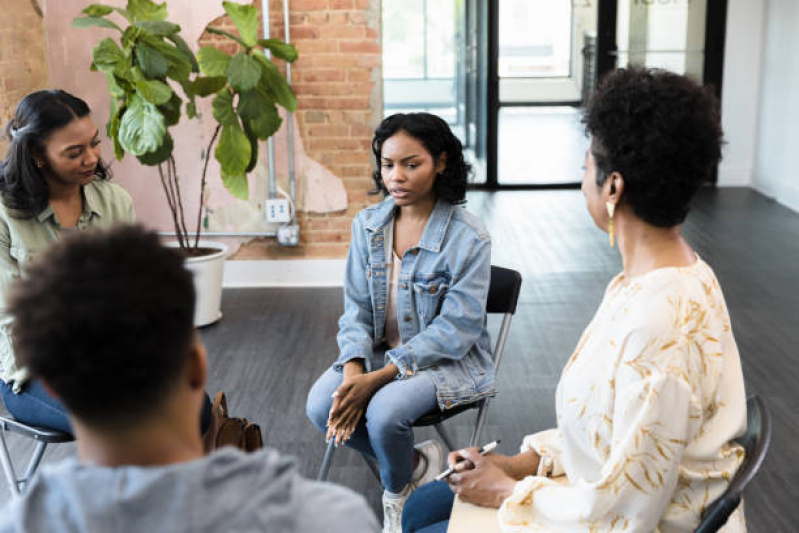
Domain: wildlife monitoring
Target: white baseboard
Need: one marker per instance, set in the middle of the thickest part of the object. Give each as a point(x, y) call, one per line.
point(284, 273)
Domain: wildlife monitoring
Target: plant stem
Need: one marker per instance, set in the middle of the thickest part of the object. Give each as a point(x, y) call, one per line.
point(171, 203)
point(179, 198)
point(202, 184)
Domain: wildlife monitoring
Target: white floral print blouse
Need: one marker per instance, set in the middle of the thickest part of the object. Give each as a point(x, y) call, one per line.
point(647, 407)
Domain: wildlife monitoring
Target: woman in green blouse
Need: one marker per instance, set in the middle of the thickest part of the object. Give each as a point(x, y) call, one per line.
point(52, 182)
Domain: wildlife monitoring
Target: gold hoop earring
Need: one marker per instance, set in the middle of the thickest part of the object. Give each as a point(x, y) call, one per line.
point(611, 211)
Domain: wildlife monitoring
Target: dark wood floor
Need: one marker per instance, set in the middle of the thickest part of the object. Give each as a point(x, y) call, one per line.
point(273, 343)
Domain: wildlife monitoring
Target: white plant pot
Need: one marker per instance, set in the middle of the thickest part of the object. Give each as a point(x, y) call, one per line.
point(207, 271)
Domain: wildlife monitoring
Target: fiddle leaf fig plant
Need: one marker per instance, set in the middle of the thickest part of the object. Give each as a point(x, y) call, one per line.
point(152, 73)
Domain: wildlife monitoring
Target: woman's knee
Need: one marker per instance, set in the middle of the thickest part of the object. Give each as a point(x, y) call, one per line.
point(319, 401)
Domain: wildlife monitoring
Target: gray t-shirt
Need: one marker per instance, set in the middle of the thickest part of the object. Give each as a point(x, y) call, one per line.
point(227, 491)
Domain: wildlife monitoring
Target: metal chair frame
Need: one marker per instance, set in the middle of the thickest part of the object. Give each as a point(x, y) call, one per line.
point(502, 298)
point(756, 442)
point(42, 435)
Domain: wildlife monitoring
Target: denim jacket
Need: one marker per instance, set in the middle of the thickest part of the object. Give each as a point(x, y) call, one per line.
point(441, 298)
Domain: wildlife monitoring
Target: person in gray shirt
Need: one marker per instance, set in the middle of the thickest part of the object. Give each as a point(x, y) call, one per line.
point(104, 319)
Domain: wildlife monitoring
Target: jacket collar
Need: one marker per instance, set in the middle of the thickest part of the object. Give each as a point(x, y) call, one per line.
point(435, 230)
point(91, 204)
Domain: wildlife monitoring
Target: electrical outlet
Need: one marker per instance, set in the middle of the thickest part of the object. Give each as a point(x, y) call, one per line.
point(288, 235)
point(277, 210)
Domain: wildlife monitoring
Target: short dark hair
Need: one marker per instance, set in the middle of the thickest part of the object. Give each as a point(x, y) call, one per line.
point(105, 318)
point(22, 185)
point(662, 132)
point(436, 136)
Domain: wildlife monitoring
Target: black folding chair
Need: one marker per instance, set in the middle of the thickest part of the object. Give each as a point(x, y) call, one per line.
point(755, 441)
point(503, 295)
point(41, 435)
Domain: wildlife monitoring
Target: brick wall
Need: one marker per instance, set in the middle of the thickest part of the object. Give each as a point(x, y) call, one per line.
point(23, 67)
point(337, 83)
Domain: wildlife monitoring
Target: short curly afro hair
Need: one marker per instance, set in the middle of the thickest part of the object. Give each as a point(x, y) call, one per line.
point(436, 136)
point(106, 319)
point(662, 132)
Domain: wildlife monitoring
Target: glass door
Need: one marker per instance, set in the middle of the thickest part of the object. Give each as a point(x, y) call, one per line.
point(433, 61)
point(545, 62)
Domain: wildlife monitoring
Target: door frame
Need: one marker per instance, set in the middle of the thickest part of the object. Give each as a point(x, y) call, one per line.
point(712, 72)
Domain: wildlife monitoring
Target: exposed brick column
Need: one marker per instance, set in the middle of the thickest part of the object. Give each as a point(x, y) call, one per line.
point(337, 80)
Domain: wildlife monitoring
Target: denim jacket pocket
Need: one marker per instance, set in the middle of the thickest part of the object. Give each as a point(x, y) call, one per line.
point(430, 291)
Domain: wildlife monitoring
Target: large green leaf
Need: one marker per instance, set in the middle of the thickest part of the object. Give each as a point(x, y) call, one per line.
point(155, 158)
point(87, 22)
point(179, 65)
point(107, 55)
point(208, 85)
point(158, 27)
point(147, 10)
point(142, 127)
point(154, 91)
point(251, 102)
point(267, 123)
point(280, 49)
point(245, 17)
point(131, 35)
point(112, 128)
point(153, 63)
point(253, 148)
point(181, 45)
point(233, 150)
point(171, 110)
point(113, 85)
point(213, 62)
point(274, 84)
point(223, 108)
point(97, 10)
point(237, 185)
point(229, 35)
point(243, 72)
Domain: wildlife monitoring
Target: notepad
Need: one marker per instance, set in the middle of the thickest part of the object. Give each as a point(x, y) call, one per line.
point(468, 518)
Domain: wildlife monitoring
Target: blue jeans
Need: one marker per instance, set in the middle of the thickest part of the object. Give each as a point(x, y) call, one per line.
point(35, 406)
point(428, 509)
point(385, 433)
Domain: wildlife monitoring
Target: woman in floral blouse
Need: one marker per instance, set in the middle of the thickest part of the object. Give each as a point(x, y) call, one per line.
point(651, 399)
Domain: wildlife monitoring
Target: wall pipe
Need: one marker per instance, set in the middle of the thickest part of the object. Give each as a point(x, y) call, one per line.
point(290, 129)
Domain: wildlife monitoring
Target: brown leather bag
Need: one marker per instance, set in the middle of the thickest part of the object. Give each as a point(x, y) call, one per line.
point(227, 431)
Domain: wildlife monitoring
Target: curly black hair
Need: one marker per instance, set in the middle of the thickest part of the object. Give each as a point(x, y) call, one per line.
point(38, 115)
point(436, 136)
point(662, 132)
point(105, 318)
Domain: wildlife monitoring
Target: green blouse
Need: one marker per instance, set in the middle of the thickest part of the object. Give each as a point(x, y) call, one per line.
point(22, 239)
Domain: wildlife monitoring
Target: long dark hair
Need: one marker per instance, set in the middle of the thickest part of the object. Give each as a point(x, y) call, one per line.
point(22, 185)
point(436, 136)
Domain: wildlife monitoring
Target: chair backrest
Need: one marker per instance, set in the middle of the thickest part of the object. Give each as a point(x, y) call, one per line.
point(503, 295)
point(503, 292)
point(755, 441)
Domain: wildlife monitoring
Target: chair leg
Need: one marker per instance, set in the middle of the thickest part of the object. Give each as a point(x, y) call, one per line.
point(33, 465)
point(8, 468)
point(444, 436)
point(323, 471)
point(480, 422)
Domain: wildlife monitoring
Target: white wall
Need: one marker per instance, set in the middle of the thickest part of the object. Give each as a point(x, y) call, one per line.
point(743, 55)
point(777, 137)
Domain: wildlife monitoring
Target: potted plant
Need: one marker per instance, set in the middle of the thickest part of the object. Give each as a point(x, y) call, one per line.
point(148, 68)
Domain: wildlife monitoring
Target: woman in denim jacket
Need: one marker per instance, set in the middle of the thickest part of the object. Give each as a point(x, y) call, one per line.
point(412, 338)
